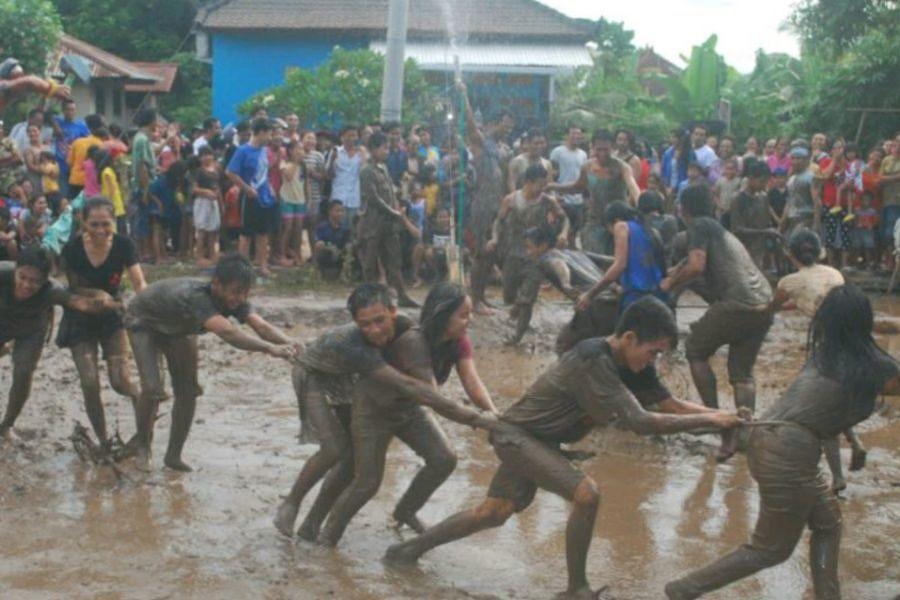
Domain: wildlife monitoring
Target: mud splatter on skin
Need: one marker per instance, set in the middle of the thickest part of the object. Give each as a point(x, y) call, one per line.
point(71, 530)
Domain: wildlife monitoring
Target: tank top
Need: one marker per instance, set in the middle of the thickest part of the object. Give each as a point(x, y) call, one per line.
point(642, 273)
point(524, 215)
point(604, 191)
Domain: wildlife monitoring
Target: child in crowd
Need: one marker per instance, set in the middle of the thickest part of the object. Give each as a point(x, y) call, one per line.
point(165, 212)
point(91, 173)
point(778, 195)
point(33, 222)
point(726, 189)
point(295, 193)
point(15, 199)
point(207, 208)
point(9, 248)
point(411, 240)
point(50, 183)
point(109, 188)
point(866, 221)
point(696, 175)
point(431, 255)
point(332, 237)
point(430, 190)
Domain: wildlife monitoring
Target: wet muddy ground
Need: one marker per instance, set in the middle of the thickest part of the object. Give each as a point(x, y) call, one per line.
point(71, 530)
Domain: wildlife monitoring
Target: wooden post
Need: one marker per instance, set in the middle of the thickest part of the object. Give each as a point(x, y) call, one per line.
point(862, 123)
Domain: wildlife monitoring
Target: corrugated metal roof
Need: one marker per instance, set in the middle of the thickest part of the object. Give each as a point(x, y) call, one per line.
point(103, 64)
point(479, 18)
point(497, 57)
point(166, 73)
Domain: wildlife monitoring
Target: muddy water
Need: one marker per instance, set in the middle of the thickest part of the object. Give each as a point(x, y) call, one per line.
point(69, 530)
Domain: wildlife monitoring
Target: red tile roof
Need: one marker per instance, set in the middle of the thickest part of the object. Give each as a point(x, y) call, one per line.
point(510, 19)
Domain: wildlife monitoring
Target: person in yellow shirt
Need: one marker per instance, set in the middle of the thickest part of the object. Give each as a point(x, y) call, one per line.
point(109, 189)
point(50, 182)
point(78, 153)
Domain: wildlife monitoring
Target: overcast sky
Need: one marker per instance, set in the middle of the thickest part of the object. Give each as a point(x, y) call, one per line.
point(672, 27)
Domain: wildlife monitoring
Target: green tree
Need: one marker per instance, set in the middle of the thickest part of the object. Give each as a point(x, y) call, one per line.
point(346, 89)
point(768, 100)
point(190, 100)
point(695, 93)
point(30, 28)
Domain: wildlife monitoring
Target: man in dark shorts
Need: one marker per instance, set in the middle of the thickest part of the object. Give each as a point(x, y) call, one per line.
point(740, 313)
point(381, 221)
point(328, 384)
point(249, 170)
point(27, 297)
point(600, 380)
point(165, 320)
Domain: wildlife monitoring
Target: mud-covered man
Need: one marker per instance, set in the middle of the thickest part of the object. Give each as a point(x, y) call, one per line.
point(342, 379)
point(381, 221)
point(600, 380)
point(165, 320)
point(27, 298)
point(739, 314)
point(522, 210)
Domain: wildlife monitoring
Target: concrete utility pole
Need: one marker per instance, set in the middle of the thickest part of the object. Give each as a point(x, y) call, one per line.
point(392, 91)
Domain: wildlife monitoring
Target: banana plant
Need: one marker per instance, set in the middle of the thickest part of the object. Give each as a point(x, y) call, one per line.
point(694, 93)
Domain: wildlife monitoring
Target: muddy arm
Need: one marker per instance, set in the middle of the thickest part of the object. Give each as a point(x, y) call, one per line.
point(680, 407)
point(425, 393)
point(267, 331)
point(225, 329)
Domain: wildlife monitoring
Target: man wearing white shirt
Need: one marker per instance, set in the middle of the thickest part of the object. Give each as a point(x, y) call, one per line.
point(705, 155)
point(211, 128)
point(567, 160)
point(19, 132)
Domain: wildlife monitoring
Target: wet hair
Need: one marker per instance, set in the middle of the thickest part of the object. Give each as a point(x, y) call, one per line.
point(541, 236)
point(805, 246)
point(650, 320)
point(234, 268)
point(145, 116)
point(377, 140)
point(96, 203)
point(260, 125)
point(650, 201)
point(602, 135)
point(841, 347)
point(37, 257)
point(442, 301)
point(535, 172)
point(696, 200)
point(369, 294)
point(618, 211)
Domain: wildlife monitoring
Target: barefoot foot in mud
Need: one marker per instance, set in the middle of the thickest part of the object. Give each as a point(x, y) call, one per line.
point(838, 486)
point(584, 593)
point(858, 459)
point(142, 459)
point(176, 464)
point(308, 533)
point(401, 554)
point(285, 517)
point(411, 521)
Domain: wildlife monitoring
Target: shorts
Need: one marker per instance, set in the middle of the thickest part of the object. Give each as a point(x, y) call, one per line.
point(889, 216)
point(257, 219)
point(837, 235)
point(206, 215)
point(78, 328)
point(527, 464)
point(291, 211)
point(575, 213)
point(864, 239)
point(741, 329)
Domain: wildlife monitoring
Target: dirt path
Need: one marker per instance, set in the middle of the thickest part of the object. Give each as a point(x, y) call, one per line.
point(72, 531)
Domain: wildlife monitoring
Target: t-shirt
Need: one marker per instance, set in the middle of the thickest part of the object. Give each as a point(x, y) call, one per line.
point(91, 184)
point(890, 191)
point(727, 191)
point(109, 186)
point(337, 236)
point(705, 156)
point(344, 351)
point(751, 212)
point(315, 163)
point(77, 155)
point(293, 182)
point(108, 275)
point(251, 164)
point(732, 275)
point(808, 287)
point(178, 307)
point(821, 404)
point(207, 179)
point(569, 163)
point(866, 218)
point(21, 319)
point(166, 194)
point(141, 154)
point(778, 200)
point(556, 406)
point(800, 198)
point(416, 213)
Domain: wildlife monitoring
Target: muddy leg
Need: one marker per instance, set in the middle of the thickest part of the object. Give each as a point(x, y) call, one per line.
point(579, 533)
point(858, 451)
point(114, 349)
point(25, 356)
point(336, 481)
point(824, 547)
point(425, 437)
point(390, 252)
point(181, 356)
point(481, 270)
point(334, 445)
point(85, 357)
point(493, 512)
point(832, 451)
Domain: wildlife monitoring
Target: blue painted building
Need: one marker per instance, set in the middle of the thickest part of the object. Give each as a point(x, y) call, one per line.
point(511, 50)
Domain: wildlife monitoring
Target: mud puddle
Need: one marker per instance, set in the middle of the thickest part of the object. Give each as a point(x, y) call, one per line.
point(69, 530)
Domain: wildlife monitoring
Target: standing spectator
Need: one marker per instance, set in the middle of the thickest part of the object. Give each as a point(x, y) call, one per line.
point(751, 149)
point(703, 154)
point(19, 132)
point(315, 173)
point(534, 145)
point(50, 182)
point(249, 170)
point(398, 159)
point(31, 154)
point(568, 159)
point(831, 177)
point(91, 175)
point(143, 172)
point(778, 195)
point(871, 176)
point(207, 208)
point(428, 153)
point(67, 130)
point(345, 166)
point(804, 207)
point(725, 154)
point(332, 237)
point(779, 159)
point(110, 189)
point(276, 154)
point(165, 214)
point(751, 219)
point(866, 222)
point(818, 147)
point(241, 136)
point(212, 128)
point(625, 151)
point(769, 148)
point(294, 200)
point(292, 131)
point(33, 222)
point(667, 162)
point(9, 248)
point(726, 188)
point(11, 170)
point(890, 192)
point(78, 153)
